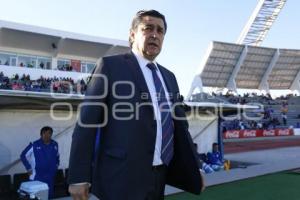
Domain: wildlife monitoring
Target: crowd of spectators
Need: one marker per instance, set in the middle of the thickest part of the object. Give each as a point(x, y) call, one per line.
point(65, 67)
point(43, 84)
point(265, 99)
point(246, 98)
point(270, 119)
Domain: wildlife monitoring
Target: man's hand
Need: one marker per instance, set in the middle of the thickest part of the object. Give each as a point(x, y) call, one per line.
point(79, 192)
point(203, 182)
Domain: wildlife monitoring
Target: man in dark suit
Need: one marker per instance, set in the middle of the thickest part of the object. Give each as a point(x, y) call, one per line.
point(144, 139)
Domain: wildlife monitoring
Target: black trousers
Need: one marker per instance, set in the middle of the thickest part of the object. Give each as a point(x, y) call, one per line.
point(157, 187)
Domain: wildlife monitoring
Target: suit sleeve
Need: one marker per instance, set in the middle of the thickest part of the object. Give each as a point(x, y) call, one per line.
point(25, 155)
point(183, 171)
point(92, 114)
point(182, 121)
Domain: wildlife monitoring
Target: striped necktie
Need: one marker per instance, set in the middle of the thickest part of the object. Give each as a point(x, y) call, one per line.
point(167, 146)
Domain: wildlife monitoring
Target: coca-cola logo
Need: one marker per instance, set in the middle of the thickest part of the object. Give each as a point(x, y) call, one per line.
point(250, 133)
point(283, 132)
point(232, 134)
point(269, 133)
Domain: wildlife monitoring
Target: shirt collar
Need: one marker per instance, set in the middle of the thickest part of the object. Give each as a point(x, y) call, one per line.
point(141, 60)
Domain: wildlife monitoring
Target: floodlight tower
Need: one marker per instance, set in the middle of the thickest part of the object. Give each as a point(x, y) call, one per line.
point(260, 22)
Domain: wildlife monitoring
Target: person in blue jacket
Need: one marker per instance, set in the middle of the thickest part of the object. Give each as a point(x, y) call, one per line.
point(214, 158)
point(41, 159)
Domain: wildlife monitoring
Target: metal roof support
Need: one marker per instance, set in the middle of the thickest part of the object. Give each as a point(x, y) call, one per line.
point(264, 85)
point(260, 22)
point(296, 83)
point(197, 83)
point(231, 85)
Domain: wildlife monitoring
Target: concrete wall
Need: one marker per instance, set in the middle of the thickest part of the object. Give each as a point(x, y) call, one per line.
point(204, 131)
point(19, 127)
point(296, 131)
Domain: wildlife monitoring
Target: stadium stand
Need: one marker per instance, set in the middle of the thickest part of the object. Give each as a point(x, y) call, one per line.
point(55, 84)
point(270, 115)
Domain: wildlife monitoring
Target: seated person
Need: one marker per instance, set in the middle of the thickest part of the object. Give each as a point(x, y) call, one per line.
point(204, 167)
point(214, 158)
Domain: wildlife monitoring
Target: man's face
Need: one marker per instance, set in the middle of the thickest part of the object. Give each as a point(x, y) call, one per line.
point(148, 37)
point(46, 136)
point(215, 148)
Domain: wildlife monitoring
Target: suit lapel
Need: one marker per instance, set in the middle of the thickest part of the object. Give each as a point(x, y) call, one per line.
point(168, 83)
point(139, 77)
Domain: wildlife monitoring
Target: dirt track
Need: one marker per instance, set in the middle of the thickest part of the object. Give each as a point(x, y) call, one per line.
point(266, 143)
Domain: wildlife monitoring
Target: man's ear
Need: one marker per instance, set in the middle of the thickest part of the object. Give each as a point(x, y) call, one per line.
point(131, 35)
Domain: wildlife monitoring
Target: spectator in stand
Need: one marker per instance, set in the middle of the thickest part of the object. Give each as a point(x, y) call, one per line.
point(42, 65)
point(83, 86)
point(284, 107)
point(41, 159)
point(214, 158)
point(4, 81)
point(78, 87)
point(284, 110)
point(16, 77)
point(284, 118)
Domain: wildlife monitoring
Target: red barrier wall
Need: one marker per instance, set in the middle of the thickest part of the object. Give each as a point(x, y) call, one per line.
point(257, 133)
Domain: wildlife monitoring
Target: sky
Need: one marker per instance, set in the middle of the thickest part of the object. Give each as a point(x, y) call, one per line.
point(192, 24)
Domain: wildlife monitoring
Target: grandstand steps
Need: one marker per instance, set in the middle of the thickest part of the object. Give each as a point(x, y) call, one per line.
point(292, 114)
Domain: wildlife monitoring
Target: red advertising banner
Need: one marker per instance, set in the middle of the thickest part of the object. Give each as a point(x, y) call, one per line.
point(232, 134)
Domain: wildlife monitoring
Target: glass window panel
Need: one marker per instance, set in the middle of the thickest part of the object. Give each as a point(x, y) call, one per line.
point(43, 63)
point(63, 64)
point(27, 61)
point(6, 58)
point(90, 67)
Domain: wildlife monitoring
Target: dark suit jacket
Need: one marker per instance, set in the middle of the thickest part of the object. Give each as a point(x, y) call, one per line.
point(123, 163)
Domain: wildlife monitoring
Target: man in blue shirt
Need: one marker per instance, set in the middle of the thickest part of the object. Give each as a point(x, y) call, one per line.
point(41, 158)
point(214, 158)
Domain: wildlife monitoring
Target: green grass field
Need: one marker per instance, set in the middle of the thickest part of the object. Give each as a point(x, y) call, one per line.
point(280, 186)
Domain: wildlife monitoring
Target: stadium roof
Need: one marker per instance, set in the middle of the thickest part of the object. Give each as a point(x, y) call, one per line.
point(233, 66)
point(260, 22)
point(56, 42)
